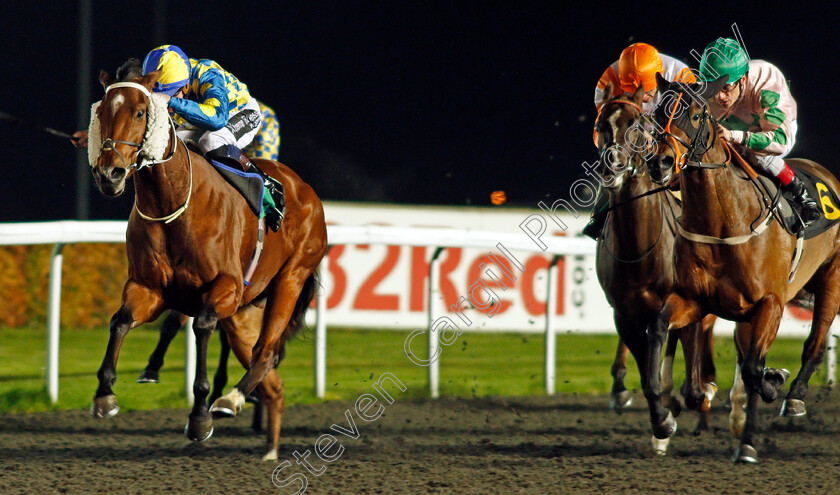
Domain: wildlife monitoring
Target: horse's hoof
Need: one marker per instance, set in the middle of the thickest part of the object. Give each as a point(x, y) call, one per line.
point(792, 408)
point(149, 376)
point(271, 456)
point(224, 408)
point(620, 401)
point(667, 428)
point(745, 454)
point(199, 431)
point(777, 376)
point(104, 407)
point(711, 389)
point(660, 445)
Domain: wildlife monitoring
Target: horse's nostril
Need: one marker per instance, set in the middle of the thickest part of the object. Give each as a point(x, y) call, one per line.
point(666, 161)
point(117, 173)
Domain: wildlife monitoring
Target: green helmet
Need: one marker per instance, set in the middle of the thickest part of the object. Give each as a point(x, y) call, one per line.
point(723, 57)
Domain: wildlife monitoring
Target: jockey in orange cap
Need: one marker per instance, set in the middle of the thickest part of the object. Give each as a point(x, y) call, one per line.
point(638, 65)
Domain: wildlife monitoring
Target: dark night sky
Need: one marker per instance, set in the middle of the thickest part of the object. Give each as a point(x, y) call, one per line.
point(409, 102)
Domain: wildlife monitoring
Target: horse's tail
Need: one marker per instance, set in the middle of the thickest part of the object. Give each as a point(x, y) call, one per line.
point(296, 323)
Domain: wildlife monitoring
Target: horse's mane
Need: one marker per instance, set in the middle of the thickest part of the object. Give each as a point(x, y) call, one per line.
point(131, 69)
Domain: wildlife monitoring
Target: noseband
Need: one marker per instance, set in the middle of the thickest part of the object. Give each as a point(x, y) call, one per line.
point(632, 166)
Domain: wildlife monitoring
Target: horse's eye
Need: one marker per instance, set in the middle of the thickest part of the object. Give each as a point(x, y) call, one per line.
point(140, 114)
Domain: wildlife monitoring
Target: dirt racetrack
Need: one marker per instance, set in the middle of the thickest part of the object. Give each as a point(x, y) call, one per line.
point(561, 444)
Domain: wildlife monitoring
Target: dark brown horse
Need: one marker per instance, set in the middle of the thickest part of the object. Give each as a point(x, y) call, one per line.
point(634, 255)
point(189, 242)
point(726, 264)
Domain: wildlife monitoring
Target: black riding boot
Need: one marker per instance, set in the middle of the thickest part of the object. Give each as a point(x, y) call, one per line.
point(805, 205)
point(596, 222)
point(274, 216)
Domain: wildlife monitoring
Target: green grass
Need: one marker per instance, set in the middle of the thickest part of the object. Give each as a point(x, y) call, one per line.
point(475, 365)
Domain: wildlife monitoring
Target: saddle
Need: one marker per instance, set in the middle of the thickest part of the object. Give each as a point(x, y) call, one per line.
point(784, 212)
point(264, 194)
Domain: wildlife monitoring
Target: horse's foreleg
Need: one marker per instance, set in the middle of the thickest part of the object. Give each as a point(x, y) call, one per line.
point(666, 372)
point(140, 304)
point(620, 397)
point(737, 401)
point(754, 341)
point(675, 309)
point(200, 425)
point(222, 300)
point(220, 378)
point(826, 302)
point(168, 329)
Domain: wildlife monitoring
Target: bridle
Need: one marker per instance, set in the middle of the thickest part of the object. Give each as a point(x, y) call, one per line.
point(140, 161)
point(633, 166)
point(703, 140)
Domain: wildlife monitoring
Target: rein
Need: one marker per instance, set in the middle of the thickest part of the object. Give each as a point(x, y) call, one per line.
point(693, 160)
point(108, 144)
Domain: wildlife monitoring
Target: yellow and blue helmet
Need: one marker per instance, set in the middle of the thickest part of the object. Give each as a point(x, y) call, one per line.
point(174, 66)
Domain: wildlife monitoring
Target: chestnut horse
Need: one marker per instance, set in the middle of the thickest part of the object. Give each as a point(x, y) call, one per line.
point(728, 265)
point(634, 257)
point(190, 241)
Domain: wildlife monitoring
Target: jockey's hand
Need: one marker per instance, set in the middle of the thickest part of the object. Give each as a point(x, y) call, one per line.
point(724, 133)
point(81, 140)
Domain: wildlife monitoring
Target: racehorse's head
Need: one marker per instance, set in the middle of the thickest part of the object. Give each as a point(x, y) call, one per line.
point(621, 136)
point(686, 130)
point(122, 117)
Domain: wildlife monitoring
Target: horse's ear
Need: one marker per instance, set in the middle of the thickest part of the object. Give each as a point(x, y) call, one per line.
point(608, 91)
point(639, 95)
point(105, 79)
point(712, 88)
point(661, 83)
point(150, 79)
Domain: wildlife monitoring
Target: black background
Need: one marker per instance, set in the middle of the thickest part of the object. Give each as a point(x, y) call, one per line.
point(407, 102)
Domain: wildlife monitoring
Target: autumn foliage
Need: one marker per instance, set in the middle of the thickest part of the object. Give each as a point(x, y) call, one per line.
point(91, 284)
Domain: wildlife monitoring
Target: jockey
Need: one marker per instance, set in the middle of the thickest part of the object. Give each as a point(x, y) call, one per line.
point(214, 111)
point(638, 65)
point(756, 111)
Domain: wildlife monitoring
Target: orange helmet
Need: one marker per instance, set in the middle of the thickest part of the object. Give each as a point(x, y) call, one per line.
point(638, 66)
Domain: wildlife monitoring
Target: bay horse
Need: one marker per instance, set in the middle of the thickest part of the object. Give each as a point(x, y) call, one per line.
point(729, 266)
point(634, 259)
point(189, 242)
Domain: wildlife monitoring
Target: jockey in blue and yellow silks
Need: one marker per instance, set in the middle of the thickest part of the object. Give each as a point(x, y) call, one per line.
point(213, 110)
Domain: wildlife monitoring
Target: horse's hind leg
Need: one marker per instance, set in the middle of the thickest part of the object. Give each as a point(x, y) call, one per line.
point(243, 330)
point(620, 397)
point(168, 329)
point(287, 302)
point(140, 304)
point(826, 303)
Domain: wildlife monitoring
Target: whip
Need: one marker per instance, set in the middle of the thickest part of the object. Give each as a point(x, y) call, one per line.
point(19, 121)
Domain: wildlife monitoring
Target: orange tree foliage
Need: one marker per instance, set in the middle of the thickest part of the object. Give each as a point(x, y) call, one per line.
point(91, 284)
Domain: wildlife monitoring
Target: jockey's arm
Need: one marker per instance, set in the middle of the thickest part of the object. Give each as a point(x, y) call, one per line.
point(211, 111)
point(776, 134)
